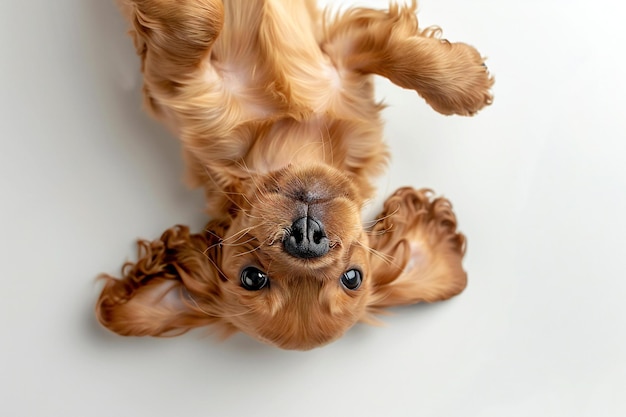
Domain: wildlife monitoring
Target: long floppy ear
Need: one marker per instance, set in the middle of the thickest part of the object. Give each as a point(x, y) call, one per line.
point(417, 251)
point(172, 288)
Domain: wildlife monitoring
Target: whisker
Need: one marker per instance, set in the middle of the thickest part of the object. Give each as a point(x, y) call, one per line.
point(250, 251)
point(240, 233)
point(251, 175)
point(233, 193)
point(240, 243)
point(388, 259)
point(378, 220)
point(219, 188)
point(379, 232)
point(217, 268)
point(236, 237)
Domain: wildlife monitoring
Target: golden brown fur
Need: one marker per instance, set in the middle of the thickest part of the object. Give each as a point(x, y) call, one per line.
point(273, 103)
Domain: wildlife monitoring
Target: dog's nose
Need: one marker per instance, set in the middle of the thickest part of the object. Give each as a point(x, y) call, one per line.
point(306, 239)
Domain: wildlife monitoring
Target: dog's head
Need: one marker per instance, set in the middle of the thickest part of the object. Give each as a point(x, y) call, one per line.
point(292, 266)
point(295, 257)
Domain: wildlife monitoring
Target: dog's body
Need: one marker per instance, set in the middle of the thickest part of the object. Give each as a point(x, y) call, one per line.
point(275, 108)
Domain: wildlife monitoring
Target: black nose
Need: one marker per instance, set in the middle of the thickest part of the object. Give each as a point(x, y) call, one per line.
point(306, 239)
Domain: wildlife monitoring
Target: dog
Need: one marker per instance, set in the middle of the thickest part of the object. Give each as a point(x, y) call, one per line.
point(273, 103)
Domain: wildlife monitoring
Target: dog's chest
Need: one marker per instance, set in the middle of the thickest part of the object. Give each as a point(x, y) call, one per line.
point(270, 92)
point(268, 63)
point(274, 96)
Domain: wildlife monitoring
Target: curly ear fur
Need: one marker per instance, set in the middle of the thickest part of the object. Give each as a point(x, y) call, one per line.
point(418, 251)
point(172, 288)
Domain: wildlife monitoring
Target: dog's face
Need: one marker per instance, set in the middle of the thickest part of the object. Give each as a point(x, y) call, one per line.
point(295, 258)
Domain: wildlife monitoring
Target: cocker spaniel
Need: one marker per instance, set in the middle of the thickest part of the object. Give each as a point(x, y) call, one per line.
point(273, 103)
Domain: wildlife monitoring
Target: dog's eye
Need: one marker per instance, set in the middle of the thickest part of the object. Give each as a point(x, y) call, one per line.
point(253, 279)
point(352, 279)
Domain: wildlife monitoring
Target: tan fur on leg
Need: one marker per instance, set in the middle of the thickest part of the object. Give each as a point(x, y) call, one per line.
point(451, 77)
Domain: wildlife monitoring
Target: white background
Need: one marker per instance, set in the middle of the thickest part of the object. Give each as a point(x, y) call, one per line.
point(538, 181)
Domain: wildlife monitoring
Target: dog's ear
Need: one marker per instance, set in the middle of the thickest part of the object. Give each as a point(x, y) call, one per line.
point(417, 251)
point(172, 288)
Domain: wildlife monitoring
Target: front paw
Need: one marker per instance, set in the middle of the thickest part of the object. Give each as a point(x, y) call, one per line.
point(179, 27)
point(465, 87)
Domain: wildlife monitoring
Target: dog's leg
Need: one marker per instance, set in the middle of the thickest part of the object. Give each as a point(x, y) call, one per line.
point(416, 251)
point(174, 39)
point(451, 77)
point(171, 289)
point(173, 36)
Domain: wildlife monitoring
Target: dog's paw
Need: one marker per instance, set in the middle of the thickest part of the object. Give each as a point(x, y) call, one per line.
point(465, 85)
point(178, 26)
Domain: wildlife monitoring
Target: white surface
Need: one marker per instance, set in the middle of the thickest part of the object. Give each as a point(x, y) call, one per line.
point(538, 182)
